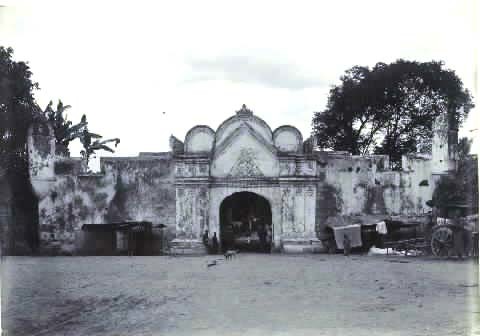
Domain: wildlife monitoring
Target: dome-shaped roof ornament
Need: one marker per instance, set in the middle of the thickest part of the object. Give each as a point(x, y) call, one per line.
point(244, 111)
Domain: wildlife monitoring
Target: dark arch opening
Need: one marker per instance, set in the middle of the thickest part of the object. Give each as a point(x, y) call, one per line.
point(246, 223)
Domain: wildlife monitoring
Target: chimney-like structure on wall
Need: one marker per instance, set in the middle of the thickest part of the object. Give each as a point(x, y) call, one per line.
point(41, 156)
point(444, 145)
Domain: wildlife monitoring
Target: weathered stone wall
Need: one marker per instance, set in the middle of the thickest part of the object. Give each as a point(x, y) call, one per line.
point(71, 201)
point(143, 190)
point(133, 189)
point(363, 185)
point(417, 184)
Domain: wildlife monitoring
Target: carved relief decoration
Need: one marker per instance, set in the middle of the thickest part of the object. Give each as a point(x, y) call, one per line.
point(185, 200)
point(288, 211)
point(190, 170)
point(299, 225)
point(246, 165)
point(310, 190)
point(203, 169)
point(179, 170)
point(287, 168)
point(307, 167)
point(202, 209)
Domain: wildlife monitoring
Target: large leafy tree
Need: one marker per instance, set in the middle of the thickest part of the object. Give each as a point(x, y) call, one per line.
point(391, 108)
point(17, 112)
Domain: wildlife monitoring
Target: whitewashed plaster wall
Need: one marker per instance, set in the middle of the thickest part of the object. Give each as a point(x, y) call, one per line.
point(417, 183)
point(144, 189)
point(364, 185)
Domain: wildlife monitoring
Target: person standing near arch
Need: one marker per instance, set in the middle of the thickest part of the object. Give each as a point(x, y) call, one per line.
point(205, 239)
point(214, 243)
point(262, 236)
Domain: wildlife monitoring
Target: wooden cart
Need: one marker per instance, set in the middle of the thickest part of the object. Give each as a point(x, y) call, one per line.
point(455, 223)
point(442, 241)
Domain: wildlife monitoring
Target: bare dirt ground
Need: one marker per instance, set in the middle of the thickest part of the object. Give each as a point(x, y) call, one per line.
point(253, 294)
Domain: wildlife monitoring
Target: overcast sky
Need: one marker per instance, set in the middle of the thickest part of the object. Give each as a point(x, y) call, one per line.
point(125, 63)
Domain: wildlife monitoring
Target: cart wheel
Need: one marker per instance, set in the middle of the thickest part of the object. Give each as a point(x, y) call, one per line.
point(442, 241)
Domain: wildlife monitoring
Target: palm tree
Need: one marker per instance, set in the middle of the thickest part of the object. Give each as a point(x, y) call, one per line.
point(63, 129)
point(90, 147)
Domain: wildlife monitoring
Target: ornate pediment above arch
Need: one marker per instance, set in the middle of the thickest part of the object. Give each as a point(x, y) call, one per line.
point(243, 116)
point(245, 153)
point(244, 128)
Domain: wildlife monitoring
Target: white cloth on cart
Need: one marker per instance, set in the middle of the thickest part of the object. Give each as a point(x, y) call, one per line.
point(381, 227)
point(443, 221)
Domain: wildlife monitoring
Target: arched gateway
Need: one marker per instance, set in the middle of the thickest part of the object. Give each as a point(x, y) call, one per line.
point(246, 222)
point(254, 187)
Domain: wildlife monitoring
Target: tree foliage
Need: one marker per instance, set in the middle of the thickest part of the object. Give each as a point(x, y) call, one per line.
point(460, 187)
point(92, 143)
point(391, 108)
point(18, 111)
point(64, 130)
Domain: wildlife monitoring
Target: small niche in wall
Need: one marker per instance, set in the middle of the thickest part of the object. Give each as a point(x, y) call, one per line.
point(423, 183)
point(358, 169)
point(350, 169)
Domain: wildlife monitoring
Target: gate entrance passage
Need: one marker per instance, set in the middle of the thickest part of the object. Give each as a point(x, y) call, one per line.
point(246, 223)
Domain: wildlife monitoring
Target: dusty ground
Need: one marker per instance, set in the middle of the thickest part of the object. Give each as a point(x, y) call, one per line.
point(254, 294)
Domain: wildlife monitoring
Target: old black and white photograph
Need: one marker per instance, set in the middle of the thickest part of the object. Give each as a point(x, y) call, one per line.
point(296, 168)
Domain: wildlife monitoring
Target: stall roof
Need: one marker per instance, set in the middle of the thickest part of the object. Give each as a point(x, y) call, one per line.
point(115, 226)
